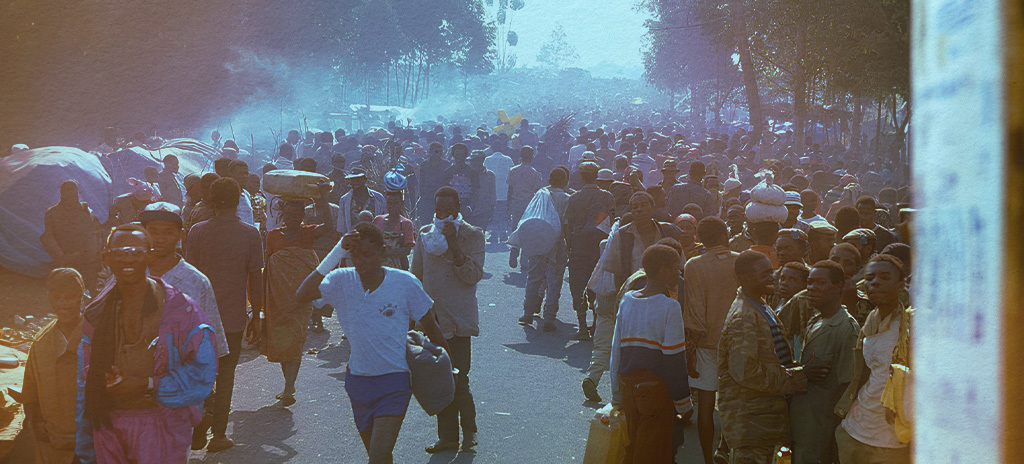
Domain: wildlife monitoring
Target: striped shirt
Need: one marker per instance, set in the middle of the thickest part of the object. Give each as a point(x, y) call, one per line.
point(782, 348)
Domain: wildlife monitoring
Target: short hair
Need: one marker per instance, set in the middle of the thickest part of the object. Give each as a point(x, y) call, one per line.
point(130, 227)
point(170, 157)
point(850, 248)
point(434, 145)
point(370, 233)
point(64, 277)
point(306, 164)
point(809, 196)
point(694, 209)
point(745, 261)
point(710, 228)
point(526, 151)
point(286, 148)
point(338, 158)
point(866, 200)
point(798, 266)
point(448, 192)
point(697, 169)
point(899, 250)
point(207, 180)
point(224, 193)
point(642, 194)
point(460, 147)
point(847, 219)
point(557, 177)
point(669, 241)
point(836, 274)
point(656, 190)
point(887, 258)
point(220, 165)
point(657, 257)
point(235, 164)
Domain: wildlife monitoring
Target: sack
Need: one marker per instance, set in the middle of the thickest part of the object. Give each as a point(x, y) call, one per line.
point(769, 194)
point(762, 212)
point(540, 227)
point(290, 184)
point(430, 369)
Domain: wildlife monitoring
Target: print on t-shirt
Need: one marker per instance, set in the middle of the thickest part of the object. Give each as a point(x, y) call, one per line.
point(388, 310)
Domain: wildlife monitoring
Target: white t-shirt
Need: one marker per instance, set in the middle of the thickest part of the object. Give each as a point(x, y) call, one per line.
point(500, 165)
point(377, 322)
point(244, 210)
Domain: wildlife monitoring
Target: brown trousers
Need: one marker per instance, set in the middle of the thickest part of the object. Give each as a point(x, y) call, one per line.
point(647, 405)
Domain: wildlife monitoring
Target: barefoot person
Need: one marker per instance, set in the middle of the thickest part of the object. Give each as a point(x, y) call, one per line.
point(374, 306)
point(290, 258)
point(146, 361)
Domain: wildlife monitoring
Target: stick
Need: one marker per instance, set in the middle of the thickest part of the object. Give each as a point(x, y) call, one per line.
point(252, 144)
point(232, 132)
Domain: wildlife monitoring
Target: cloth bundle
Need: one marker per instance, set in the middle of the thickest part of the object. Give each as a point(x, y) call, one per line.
point(540, 227)
point(430, 369)
point(767, 202)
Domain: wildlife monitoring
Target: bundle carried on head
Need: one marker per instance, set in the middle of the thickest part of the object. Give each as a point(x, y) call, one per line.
point(767, 201)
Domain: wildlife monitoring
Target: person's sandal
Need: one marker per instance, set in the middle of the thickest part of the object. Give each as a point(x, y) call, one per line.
point(441, 446)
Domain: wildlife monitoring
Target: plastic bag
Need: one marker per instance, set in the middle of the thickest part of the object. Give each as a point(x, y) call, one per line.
point(762, 212)
point(769, 194)
point(540, 227)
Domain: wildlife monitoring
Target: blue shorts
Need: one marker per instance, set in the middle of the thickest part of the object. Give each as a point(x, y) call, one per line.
point(377, 396)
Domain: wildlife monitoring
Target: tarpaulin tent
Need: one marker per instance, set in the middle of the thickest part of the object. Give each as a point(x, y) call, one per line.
point(194, 157)
point(29, 184)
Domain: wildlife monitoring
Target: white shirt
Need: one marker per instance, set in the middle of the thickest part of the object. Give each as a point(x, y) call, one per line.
point(866, 421)
point(195, 285)
point(500, 165)
point(376, 323)
point(244, 210)
point(282, 163)
point(575, 153)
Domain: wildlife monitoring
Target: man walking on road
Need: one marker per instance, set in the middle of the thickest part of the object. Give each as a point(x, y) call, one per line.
point(449, 259)
point(584, 213)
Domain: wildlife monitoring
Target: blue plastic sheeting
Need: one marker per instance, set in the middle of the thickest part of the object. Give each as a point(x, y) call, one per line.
point(29, 184)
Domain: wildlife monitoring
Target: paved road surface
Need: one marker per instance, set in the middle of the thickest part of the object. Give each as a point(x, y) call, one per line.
point(526, 383)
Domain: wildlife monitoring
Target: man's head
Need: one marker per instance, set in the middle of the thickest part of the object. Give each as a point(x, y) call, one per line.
point(847, 256)
point(205, 183)
point(338, 161)
point(791, 245)
point(287, 151)
point(395, 201)
point(810, 200)
point(239, 171)
point(847, 219)
point(357, 178)
point(526, 154)
point(253, 185)
point(435, 150)
point(694, 210)
point(293, 137)
point(641, 204)
point(69, 192)
point(558, 177)
point(224, 194)
point(866, 211)
point(900, 251)
point(825, 284)
point(127, 253)
point(688, 224)
point(459, 153)
point(292, 214)
point(220, 166)
point(661, 264)
point(862, 239)
point(754, 273)
point(764, 233)
point(658, 193)
point(367, 248)
point(793, 278)
point(305, 164)
point(712, 231)
point(446, 203)
point(735, 217)
point(151, 174)
point(64, 289)
point(588, 172)
point(163, 222)
point(885, 277)
point(697, 171)
point(820, 239)
point(171, 163)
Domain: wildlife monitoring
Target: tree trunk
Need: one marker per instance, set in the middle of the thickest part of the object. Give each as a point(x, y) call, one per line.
point(739, 17)
point(427, 81)
point(799, 84)
point(858, 117)
point(387, 83)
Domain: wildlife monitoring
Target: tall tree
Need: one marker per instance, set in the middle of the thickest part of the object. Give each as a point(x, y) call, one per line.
point(557, 52)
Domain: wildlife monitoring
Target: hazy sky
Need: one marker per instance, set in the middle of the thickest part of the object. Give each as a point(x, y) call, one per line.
point(610, 30)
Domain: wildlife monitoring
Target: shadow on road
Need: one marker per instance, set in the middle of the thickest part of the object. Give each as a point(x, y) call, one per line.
point(452, 458)
point(515, 279)
point(555, 345)
point(259, 436)
point(334, 355)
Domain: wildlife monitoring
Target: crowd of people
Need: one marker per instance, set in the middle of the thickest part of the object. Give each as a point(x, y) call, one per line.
point(768, 283)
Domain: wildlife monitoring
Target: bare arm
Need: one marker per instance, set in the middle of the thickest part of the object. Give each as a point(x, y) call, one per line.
point(432, 330)
point(309, 290)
